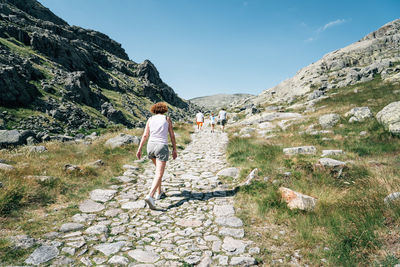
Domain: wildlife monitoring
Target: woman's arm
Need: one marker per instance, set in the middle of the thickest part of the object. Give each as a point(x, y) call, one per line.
point(172, 135)
point(145, 136)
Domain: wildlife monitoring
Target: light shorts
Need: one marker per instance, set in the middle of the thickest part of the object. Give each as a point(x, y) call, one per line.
point(157, 151)
point(200, 123)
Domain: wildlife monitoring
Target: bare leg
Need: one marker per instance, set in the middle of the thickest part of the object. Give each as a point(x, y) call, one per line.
point(160, 168)
point(158, 188)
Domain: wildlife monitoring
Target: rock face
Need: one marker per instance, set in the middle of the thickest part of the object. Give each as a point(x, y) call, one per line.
point(217, 101)
point(361, 61)
point(297, 200)
point(84, 70)
point(389, 116)
point(329, 120)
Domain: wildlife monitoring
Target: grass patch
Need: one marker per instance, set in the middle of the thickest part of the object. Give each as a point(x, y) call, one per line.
point(350, 211)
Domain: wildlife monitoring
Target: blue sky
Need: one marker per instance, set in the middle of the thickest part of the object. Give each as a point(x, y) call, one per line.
point(228, 46)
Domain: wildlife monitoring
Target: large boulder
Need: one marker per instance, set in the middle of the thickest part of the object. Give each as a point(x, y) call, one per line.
point(359, 114)
point(389, 116)
point(296, 200)
point(9, 138)
point(122, 139)
point(329, 120)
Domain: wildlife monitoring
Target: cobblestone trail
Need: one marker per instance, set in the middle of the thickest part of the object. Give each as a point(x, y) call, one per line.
point(196, 223)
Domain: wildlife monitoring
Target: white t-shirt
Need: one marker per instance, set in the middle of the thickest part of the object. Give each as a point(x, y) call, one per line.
point(212, 119)
point(222, 115)
point(199, 117)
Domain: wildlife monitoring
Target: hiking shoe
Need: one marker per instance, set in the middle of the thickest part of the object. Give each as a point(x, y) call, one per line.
point(159, 196)
point(150, 201)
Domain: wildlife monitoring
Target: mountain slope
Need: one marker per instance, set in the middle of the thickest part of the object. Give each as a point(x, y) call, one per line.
point(56, 78)
point(376, 54)
point(217, 101)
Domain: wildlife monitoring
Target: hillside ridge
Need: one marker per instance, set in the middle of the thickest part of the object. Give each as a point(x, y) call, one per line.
point(59, 78)
point(375, 54)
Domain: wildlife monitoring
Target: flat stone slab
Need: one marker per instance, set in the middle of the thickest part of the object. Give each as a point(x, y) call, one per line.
point(234, 232)
point(305, 150)
point(188, 223)
point(229, 221)
point(118, 260)
point(97, 229)
point(233, 246)
point(110, 248)
point(89, 206)
point(230, 172)
point(42, 254)
point(331, 152)
point(140, 204)
point(192, 259)
point(333, 163)
point(22, 241)
point(144, 255)
point(102, 195)
point(68, 227)
point(242, 261)
point(224, 210)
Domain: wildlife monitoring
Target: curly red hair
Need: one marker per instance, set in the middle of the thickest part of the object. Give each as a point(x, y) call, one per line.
point(159, 108)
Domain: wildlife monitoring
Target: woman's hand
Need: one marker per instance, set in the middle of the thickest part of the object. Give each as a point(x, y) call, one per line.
point(174, 154)
point(139, 153)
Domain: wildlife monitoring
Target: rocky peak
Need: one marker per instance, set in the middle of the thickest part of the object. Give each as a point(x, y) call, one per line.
point(148, 71)
point(391, 28)
point(37, 10)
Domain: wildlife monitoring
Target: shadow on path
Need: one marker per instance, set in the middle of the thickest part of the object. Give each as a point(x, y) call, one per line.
point(203, 196)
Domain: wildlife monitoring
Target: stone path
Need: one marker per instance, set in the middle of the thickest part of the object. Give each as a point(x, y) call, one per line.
point(196, 223)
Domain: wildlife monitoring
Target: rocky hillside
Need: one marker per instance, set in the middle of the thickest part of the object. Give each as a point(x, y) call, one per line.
point(56, 78)
point(375, 54)
point(219, 100)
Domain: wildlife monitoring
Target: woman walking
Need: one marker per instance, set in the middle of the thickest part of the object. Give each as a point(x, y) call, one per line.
point(157, 129)
point(212, 122)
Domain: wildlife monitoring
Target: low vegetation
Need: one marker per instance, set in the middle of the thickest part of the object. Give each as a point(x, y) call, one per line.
point(351, 225)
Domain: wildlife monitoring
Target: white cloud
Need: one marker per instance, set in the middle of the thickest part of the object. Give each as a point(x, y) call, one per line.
point(325, 27)
point(332, 23)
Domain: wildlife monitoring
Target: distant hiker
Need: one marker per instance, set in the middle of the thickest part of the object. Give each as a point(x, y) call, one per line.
point(199, 120)
point(212, 122)
point(223, 117)
point(157, 128)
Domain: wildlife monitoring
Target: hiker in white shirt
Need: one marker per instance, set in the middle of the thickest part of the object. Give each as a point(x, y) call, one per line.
point(199, 120)
point(212, 122)
point(223, 117)
point(158, 127)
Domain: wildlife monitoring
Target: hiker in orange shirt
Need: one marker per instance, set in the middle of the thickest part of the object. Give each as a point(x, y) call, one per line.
point(199, 120)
